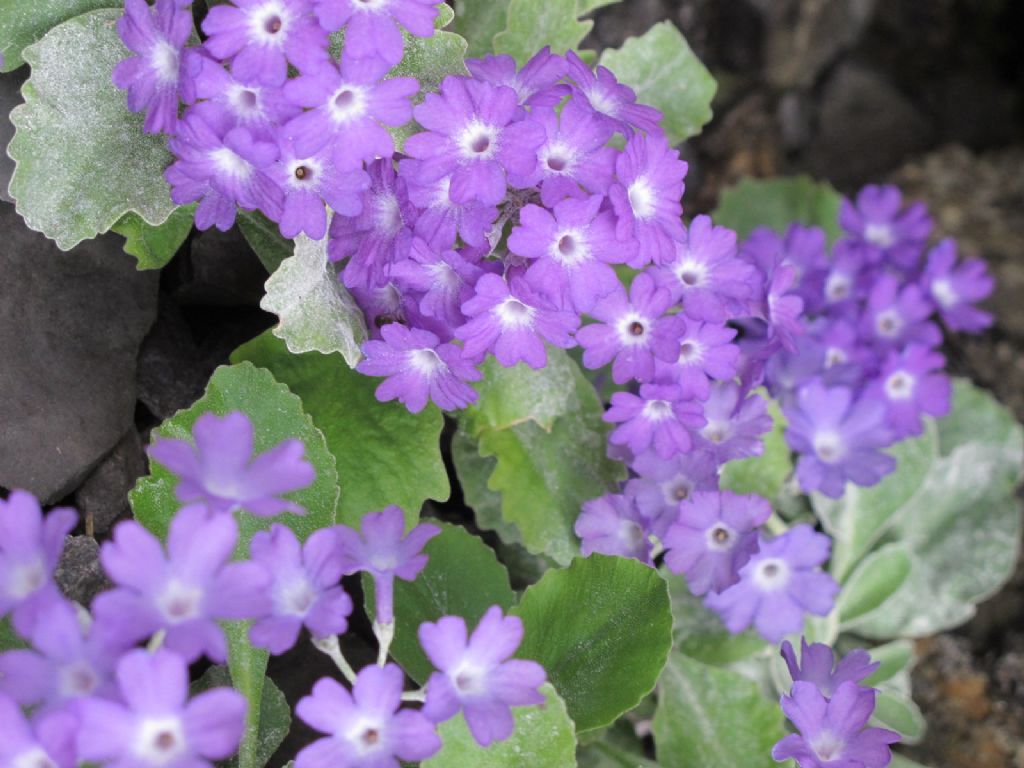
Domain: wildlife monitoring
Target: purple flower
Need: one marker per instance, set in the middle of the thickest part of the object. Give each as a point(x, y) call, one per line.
point(419, 367)
point(705, 275)
point(912, 384)
point(304, 588)
point(47, 741)
point(646, 197)
point(156, 35)
point(779, 585)
point(379, 236)
point(372, 28)
point(444, 281)
point(440, 218)
point(615, 102)
point(894, 235)
point(955, 288)
point(612, 525)
point(67, 663)
point(833, 732)
point(349, 106)
point(512, 320)
point(30, 548)
point(222, 170)
point(714, 536)
point(310, 182)
point(534, 84)
point(185, 591)
point(818, 666)
point(702, 352)
point(573, 246)
point(220, 471)
point(897, 313)
point(384, 553)
point(153, 724)
point(261, 37)
point(366, 728)
point(845, 279)
point(663, 483)
point(658, 417)
point(735, 423)
point(783, 306)
point(471, 135)
point(838, 438)
point(226, 103)
point(631, 332)
point(574, 159)
point(478, 675)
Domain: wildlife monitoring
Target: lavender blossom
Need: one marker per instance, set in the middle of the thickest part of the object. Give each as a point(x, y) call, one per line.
point(702, 352)
point(373, 29)
point(612, 525)
point(30, 548)
point(663, 483)
point(714, 536)
point(478, 675)
point(152, 77)
point(892, 234)
point(221, 472)
point(779, 585)
point(419, 367)
point(443, 280)
point(735, 423)
point(911, 384)
point(46, 741)
point(185, 591)
point(657, 418)
point(365, 727)
point(897, 314)
point(153, 725)
point(382, 551)
point(440, 219)
point(615, 102)
point(535, 84)
point(818, 666)
point(304, 588)
point(310, 182)
point(956, 288)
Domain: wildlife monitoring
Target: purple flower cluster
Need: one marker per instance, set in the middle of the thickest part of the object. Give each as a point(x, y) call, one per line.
point(96, 697)
point(830, 710)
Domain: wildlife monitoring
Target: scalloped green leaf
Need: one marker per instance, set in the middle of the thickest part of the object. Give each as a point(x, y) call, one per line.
point(23, 23)
point(665, 73)
point(315, 311)
point(602, 628)
point(155, 246)
point(82, 160)
point(763, 475)
point(479, 22)
point(708, 716)
point(532, 24)
point(544, 737)
point(385, 454)
point(777, 203)
point(700, 634)
point(462, 578)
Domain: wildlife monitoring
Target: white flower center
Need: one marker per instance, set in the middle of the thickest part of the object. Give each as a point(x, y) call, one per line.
point(827, 746)
point(77, 680)
point(269, 24)
point(835, 356)
point(691, 273)
point(295, 596)
point(677, 489)
point(371, 6)
point(513, 314)
point(771, 574)
point(828, 446)
point(888, 323)
point(244, 101)
point(478, 141)
point(469, 679)
point(632, 329)
point(179, 602)
point(570, 248)
point(899, 386)
point(26, 578)
point(303, 174)
point(33, 758)
point(387, 216)
point(426, 362)
point(347, 103)
point(163, 60)
point(837, 287)
point(944, 293)
point(230, 164)
point(879, 234)
point(720, 537)
point(160, 740)
point(603, 102)
point(641, 198)
point(557, 158)
point(657, 410)
point(717, 431)
point(443, 277)
point(366, 736)
point(691, 352)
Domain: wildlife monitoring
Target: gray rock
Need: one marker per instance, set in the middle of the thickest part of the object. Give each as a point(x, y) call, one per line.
point(866, 128)
point(220, 270)
point(103, 496)
point(10, 96)
point(171, 375)
point(70, 328)
point(79, 573)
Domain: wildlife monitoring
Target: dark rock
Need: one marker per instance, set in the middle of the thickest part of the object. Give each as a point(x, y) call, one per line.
point(79, 573)
point(103, 496)
point(866, 128)
point(70, 328)
point(171, 374)
point(10, 96)
point(220, 270)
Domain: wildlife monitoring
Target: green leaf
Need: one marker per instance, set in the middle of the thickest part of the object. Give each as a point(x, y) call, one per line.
point(602, 628)
point(899, 713)
point(665, 73)
point(462, 578)
point(763, 475)
point(9, 639)
point(877, 577)
point(584, 7)
point(431, 59)
point(82, 160)
point(22, 23)
point(899, 761)
point(473, 470)
point(154, 246)
point(700, 634)
point(276, 415)
point(709, 716)
point(385, 454)
point(265, 239)
point(604, 755)
point(479, 22)
point(316, 313)
point(275, 715)
point(532, 24)
point(543, 738)
point(976, 416)
point(894, 658)
point(777, 203)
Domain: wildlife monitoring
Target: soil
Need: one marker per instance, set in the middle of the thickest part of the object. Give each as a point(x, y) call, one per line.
point(929, 95)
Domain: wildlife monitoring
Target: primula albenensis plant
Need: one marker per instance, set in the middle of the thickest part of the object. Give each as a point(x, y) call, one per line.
point(782, 457)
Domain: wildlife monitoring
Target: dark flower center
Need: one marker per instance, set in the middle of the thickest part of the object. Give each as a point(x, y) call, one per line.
point(273, 25)
point(248, 99)
point(771, 570)
point(720, 535)
point(566, 246)
point(344, 99)
point(301, 172)
point(480, 144)
point(370, 737)
point(636, 328)
point(689, 278)
point(682, 493)
point(687, 350)
point(556, 163)
point(165, 741)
